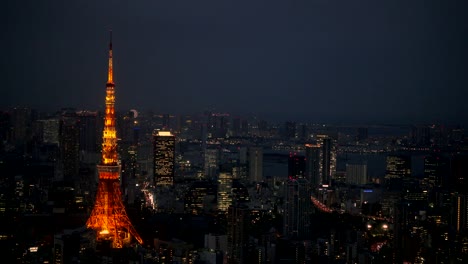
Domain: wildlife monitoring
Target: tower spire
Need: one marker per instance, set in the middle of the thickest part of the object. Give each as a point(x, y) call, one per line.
point(109, 217)
point(110, 71)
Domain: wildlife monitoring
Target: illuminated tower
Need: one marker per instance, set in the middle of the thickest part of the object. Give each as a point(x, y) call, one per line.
point(109, 217)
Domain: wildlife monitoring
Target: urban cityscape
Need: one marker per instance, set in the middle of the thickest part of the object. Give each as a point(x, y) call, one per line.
point(217, 188)
point(91, 182)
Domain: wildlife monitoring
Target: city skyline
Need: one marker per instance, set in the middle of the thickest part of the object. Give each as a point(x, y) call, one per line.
point(317, 60)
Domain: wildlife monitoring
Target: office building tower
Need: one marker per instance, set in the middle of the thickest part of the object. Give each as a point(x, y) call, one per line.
point(398, 166)
point(48, 131)
point(217, 125)
point(458, 180)
point(298, 209)
point(356, 174)
point(460, 213)
point(398, 170)
point(69, 145)
point(256, 164)
point(5, 127)
point(237, 234)
point(327, 159)
point(163, 158)
point(108, 217)
point(128, 128)
point(21, 121)
point(200, 197)
point(224, 191)
point(435, 171)
point(312, 156)
point(296, 166)
point(212, 158)
point(87, 123)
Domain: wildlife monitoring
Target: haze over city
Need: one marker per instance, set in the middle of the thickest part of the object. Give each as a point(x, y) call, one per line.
point(345, 61)
point(231, 132)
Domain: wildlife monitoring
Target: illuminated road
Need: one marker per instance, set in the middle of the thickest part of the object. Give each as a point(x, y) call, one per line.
point(323, 208)
point(319, 205)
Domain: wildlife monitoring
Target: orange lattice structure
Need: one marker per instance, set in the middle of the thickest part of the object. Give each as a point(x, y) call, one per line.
point(109, 217)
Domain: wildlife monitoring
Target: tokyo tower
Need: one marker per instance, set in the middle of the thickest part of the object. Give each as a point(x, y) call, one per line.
point(109, 217)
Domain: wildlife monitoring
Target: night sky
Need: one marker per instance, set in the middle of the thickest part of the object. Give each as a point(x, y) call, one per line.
point(320, 60)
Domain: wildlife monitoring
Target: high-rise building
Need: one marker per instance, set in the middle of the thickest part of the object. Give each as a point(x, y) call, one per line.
point(87, 123)
point(21, 120)
point(458, 170)
point(47, 131)
point(398, 169)
point(327, 158)
point(298, 209)
point(296, 166)
point(217, 125)
point(212, 158)
point(108, 217)
point(237, 234)
point(256, 164)
point(398, 166)
point(197, 199)
point(312, 155)
point(164, 154)
point(5, 127)
point(69, 145)
point(356, 174)
point(224, 191)
point(435, 171)
point(460, 214)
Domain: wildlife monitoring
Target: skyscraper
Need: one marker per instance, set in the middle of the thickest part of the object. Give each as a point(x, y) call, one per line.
point(298, 209)
point(87, 122)
point(256, 164)
point(163, 158)
point(296, 166)
point(69, 145)
point(398, 170)
point(224, 191)
point(21, 119)
point(211, 163)
point(50, 131)
point(356, 174)
point(435, 168)
point(109, 217)
point(237, 234)
point(312, 174)
point(327, 158)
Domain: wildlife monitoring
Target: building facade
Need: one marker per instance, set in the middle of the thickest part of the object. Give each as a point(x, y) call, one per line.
point(163, 158)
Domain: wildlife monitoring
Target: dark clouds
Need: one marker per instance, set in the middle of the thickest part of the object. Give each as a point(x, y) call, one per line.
point(338, 60)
